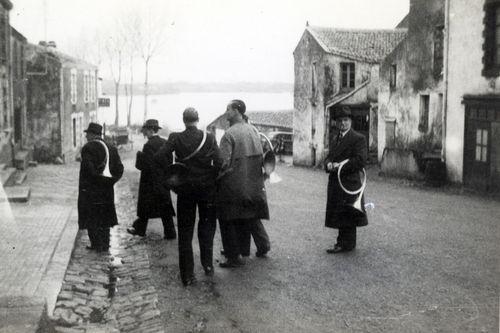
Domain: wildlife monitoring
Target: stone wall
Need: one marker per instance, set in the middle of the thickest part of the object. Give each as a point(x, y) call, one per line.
point(464, 76)
point(417, 74)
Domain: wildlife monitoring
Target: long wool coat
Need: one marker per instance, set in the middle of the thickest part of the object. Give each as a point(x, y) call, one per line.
point(153, 201)
point(339, 213)
point(240, 191)
point(96, 196)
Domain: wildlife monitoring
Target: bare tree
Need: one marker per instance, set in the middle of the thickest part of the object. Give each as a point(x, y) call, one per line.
point(128, 26)
point(113, 50)
point(149, 38)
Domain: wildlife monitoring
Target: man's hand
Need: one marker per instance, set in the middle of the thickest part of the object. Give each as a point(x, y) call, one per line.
point(332, 166)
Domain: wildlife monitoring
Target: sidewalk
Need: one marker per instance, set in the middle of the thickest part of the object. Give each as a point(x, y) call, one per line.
point(36, 240)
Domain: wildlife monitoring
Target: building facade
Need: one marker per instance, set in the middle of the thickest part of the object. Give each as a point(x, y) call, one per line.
point(411, 93)
point(472, 144)
point(18, 46)
point(6, 114)
point(61, 101)
point(336, 68)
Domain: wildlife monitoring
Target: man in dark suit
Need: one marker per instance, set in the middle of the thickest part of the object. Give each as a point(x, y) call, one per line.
point(100, 169)
point(340, 214)
point(154, 201)
point(198, 152)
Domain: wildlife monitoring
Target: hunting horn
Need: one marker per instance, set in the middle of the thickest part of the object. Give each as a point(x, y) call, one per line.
point(270, 162)
point(106, 173)
point(357, 204)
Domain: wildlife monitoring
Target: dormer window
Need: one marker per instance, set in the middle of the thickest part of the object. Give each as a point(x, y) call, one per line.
point(347, 75)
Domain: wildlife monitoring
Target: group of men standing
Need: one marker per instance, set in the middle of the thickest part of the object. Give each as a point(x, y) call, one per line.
point(224, 183)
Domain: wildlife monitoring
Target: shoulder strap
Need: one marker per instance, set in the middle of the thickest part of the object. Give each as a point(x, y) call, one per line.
point(197, 149)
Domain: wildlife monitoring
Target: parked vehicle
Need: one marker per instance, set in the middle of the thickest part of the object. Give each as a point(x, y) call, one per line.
point(282, 142)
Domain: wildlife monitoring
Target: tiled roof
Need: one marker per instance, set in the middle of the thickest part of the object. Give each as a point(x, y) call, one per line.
point(282, 118)
point(63, 58)
point(358, 44)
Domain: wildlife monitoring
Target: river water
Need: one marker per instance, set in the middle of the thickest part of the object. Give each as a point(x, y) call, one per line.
point(168, 108)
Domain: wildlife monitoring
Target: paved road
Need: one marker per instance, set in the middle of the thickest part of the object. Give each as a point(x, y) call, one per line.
point(427, 262)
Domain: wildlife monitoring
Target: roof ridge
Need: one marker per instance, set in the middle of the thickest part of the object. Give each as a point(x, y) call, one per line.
point(340, 29)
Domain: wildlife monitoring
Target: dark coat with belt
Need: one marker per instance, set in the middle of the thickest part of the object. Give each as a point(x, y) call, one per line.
point(241, 193)
point(153, 200)
point(339, 211)
point(202, 167)
point(96, 198)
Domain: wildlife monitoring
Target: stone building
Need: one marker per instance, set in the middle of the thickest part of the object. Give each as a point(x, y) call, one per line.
point(336, 68)
point(6, 111)
point(472, 120)
point(411, 93)
point(61, 101)
point(18, 70)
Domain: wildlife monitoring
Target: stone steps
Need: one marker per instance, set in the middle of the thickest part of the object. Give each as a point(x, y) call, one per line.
point(19, 177)
point(5, 174)
point(17, 193)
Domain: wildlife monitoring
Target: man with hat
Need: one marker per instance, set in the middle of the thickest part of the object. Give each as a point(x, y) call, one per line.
point(154, 201)
point(100, 169)
point(340, 214)
point(196, 153)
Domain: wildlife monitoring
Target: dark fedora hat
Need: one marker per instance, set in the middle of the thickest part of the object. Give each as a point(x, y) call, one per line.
point(176, 175)
point(94, 128)
point(152, 124)
point(345, 111)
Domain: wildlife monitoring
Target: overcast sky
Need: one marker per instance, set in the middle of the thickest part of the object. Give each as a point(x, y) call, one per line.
point(210, 40)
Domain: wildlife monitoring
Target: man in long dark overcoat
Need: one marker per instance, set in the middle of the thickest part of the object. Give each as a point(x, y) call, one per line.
point(154, 201)
point(199, 153)
point(96, 205)
point(340, 214)
point(241, 195)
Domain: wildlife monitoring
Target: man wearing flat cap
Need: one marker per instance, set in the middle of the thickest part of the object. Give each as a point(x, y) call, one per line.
point(100, 169)
point(340, 214)
point(197, 152)
point(153, 201)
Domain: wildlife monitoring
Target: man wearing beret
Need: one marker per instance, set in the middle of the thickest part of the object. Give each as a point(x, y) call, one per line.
point(100, 169)
point(340, 214)
point(154, 201)
point(198, 152)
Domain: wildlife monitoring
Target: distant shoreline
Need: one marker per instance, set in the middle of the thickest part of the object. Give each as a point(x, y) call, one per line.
point(188, 87)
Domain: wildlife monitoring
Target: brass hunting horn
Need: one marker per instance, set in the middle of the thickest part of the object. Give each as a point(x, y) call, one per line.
point(357, 203)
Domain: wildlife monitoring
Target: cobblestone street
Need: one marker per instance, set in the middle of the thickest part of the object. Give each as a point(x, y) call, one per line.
point(427, 262)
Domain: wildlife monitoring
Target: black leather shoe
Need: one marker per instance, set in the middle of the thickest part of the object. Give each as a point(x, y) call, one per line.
point(232, 263)
point(261, 254)
point(189, 282)
point(338, 249)
point(209, 270)
point(169, 237)
point(134, 232)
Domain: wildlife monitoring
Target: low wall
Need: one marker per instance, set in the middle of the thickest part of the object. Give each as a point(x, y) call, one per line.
point(401, 163)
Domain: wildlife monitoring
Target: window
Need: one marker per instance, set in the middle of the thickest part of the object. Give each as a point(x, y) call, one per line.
point(438, 51)
point(392, 73)
point(491, 47)
point(347, 75)
point(92, 86)
point(73, 86)
point(314, 84)
point(86, 88)
point(423, 124)
point(481, 145)
point(74, 131)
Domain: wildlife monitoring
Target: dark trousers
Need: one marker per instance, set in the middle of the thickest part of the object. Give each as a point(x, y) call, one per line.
point(141, 224)
point(347, 238)
point(99, 237)
point(236, 236)
point(186, 216)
